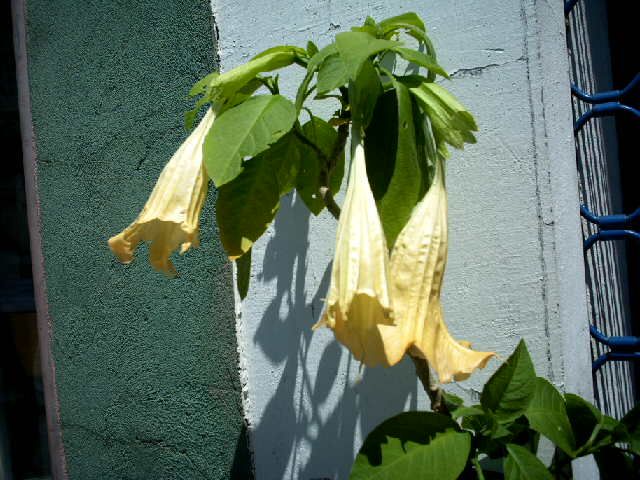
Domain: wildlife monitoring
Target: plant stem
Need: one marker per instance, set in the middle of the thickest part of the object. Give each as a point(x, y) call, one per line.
point(430, 386)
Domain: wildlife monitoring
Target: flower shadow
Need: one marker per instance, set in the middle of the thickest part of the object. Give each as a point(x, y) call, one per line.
point(322, 404)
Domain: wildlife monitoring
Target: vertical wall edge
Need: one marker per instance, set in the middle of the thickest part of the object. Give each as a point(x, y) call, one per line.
point(29, 152)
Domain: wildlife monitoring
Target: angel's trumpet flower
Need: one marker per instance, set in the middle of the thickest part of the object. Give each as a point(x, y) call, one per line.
point(417, 270)
point(380, 312)
point(171, 216)
point(359, 301)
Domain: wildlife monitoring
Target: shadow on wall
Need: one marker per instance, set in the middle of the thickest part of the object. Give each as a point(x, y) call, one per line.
point(323, 400)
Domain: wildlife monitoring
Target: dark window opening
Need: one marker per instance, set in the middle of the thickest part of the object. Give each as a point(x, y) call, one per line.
point(625, 65)
point(23, 427)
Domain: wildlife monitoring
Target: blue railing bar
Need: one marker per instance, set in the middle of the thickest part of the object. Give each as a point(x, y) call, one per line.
point(602, 110)
point(608, 235)
point(568, 6)
point(609, 96)
point(616, 343)
point(616, 221)
point(613, 356)
point(610, 227)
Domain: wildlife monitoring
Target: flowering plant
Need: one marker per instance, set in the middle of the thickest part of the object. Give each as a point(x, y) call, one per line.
point(256, 146)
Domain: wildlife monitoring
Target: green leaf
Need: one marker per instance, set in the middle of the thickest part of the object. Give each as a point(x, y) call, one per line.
point(312, 48)
point(413, 445)
point(355, 48)
point(508, 391)
point(421, 59)
point(408, 18)
point(452, 401)
point(286, 49)
point(243, 274)
point(245, 131)
point(248, 204)
point(332, 74)
point(392, 158)
point(521, 464)
point(547, 414)
point(363, 94)
point(190, 116)
point(413, 25)
point(450, 121)
point(321, 56)
point(631, 424)
point(223, 86)
point(324, 137)
point(201, 85)
point(314, 63)
point(591, 428)
point(467, 411)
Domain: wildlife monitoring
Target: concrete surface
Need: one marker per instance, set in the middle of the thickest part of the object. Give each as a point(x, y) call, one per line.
point(146, 367)
point(515, 261)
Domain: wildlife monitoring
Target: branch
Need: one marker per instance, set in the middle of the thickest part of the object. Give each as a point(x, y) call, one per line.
point(434, 392)
point(329, 163)
point(329, 202)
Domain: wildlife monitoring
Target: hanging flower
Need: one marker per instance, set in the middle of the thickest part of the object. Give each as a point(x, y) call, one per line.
point(359, 300)
point(380, 312)
point(170, 218)
point(417, 269)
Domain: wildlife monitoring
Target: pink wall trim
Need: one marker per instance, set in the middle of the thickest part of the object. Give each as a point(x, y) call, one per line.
point(56, 446)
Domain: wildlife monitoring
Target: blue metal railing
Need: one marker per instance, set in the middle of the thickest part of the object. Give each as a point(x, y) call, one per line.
point(609, 227)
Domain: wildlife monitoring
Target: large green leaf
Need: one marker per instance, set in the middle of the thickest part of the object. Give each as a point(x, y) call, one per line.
point(413, 25)
point(413, 445)
point(547, 414)
point(324, 137)
point(363, 94)
point(521, 464)
point(591, 428)
point(332, 74)
point(245, 131)
point(356, 47)
point(221, 87)
point(508, 391)
point(395, 175)
point(247, 204)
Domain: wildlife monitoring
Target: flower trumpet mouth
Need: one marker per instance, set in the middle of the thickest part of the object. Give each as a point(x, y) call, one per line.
point(170, 218)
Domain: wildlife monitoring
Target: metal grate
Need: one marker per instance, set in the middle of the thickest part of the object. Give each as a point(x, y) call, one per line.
point(596, 147)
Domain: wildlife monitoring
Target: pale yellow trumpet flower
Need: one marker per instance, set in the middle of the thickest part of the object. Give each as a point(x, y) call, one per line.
point(358, 300)
point(171, 216)
point(404, 313)
point(417, 270)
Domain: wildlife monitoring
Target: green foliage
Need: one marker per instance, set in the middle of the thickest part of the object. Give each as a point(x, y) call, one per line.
point(262, 147)
point(508, 391)
point(516, 407)
point(410, 442)
point(245, 131)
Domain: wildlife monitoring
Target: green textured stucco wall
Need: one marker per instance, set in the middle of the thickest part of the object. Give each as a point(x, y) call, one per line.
point(146, 367)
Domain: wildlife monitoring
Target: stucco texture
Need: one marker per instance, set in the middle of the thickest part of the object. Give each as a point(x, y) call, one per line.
point(146, 366)
point(515, 259)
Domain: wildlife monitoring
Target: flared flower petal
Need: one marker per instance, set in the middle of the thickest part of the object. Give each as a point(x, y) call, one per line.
point(417, 270)
point(170, 218)
point(358, 301)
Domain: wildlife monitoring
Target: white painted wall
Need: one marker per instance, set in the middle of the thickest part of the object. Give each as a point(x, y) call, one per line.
point(515, 263)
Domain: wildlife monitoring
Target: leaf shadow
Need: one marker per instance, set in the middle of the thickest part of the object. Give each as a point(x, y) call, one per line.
point(322, 405)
